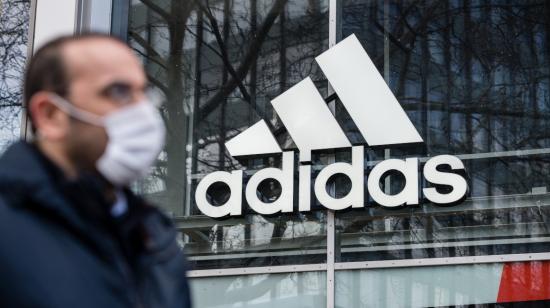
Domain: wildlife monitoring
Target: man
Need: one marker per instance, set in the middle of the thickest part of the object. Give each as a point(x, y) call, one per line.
point(71, 233)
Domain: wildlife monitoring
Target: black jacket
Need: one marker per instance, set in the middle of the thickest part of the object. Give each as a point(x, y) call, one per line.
point(60, 247)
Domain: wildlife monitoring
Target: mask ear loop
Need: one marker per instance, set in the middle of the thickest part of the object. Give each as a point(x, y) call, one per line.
point(75, 112)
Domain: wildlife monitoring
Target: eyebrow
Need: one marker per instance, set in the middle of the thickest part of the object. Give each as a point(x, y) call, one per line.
point(145, 86)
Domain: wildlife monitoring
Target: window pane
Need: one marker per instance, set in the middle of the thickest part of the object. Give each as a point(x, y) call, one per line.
point(218, 64)
point(14, 27)
point(442, 286)
point(474, 78)
point(290, 290)
point(517, 284)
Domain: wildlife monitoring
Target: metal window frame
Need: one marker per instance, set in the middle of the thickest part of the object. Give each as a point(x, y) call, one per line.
point(258, 270)
point(120, 14)
point(334, 36)
point(385, 264)
point(94, 16)
point(86, 19)
point(25, 129)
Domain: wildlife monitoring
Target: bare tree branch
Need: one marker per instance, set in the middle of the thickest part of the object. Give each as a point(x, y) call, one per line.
point(153, 54)
point(251, 54)
point(157, 9)
point(223, 51)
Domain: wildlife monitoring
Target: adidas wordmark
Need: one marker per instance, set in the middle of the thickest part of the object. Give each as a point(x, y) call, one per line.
point(378, 116)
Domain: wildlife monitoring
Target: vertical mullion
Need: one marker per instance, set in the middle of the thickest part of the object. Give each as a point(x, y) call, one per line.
point(25, 129)
point(333, 37)
point(387, 153)
point(330, 258)
point(120, 14)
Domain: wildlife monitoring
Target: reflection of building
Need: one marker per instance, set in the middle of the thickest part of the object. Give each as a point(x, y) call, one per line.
point(474, 77)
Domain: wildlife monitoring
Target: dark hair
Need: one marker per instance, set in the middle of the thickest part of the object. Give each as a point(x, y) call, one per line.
point(47, 69)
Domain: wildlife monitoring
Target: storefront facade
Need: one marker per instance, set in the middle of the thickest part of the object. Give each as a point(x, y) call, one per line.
point(473, 78)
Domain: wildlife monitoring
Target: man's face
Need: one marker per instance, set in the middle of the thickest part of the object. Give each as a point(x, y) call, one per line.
point(104, 76)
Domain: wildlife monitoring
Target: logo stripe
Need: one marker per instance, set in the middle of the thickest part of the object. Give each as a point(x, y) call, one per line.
point(308, 120)
point(362, 90)
point(257, 139)
point(365, 94)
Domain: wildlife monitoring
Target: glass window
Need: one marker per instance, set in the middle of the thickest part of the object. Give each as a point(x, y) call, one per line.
point(300, 290)
point(442, 286)
point(516, 284)
point(14, 27)
point(218, 64)
point(474, 77)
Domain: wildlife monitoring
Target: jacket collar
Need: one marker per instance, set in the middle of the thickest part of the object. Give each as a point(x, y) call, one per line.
point(27, 176)
point(29, 180)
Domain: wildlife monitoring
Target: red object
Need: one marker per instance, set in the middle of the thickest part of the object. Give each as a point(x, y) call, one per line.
point(524, 281)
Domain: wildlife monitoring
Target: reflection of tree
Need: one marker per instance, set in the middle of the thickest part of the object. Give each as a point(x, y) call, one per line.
point(218, 64)
point(474, 76)
point(168, 71)
point(456, 48)
point(14, 19)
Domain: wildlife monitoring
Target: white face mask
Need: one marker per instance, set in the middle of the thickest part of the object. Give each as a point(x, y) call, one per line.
point(136, 137)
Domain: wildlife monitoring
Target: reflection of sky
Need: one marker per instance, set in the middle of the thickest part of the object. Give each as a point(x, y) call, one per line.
point(9, 131)
point(305, 290)
point(14, 18)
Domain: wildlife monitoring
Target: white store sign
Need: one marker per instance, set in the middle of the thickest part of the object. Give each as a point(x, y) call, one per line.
point(378, 116)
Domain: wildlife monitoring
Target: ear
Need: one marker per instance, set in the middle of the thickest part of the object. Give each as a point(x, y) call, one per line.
point(51, 123)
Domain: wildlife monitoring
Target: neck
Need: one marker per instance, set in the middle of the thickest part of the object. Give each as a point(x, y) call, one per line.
point(55, 153)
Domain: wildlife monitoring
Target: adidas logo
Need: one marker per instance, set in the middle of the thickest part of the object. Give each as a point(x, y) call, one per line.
point(311, 125)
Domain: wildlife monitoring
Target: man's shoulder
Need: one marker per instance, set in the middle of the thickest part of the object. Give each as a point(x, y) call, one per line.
point(28, 241)
point(22, 159)
point(45, 267)
point(24, 173)
point(14, 218)
point(22, 230)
